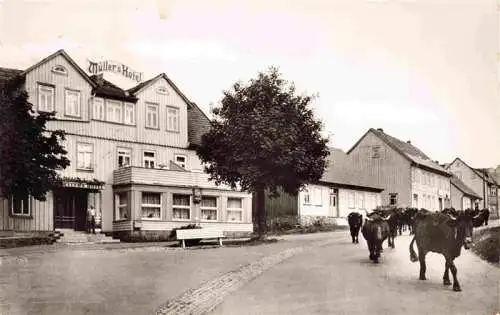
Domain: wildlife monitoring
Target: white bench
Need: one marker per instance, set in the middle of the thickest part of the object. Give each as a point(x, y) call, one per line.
point(203, 233)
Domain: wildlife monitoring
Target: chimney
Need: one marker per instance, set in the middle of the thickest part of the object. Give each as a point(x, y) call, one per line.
point(380, 129)
point(409, 142)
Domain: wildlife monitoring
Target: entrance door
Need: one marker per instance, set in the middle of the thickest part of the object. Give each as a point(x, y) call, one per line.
point(440, 204)
point(70, 209)
point(334, 207)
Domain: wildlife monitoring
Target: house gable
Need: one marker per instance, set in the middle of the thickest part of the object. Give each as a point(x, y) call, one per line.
point(63, 76)
point(381, 161)
point(468, 175)
point(64, 55)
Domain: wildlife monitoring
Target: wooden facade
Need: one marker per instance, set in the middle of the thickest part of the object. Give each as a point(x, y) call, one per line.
point(472, 179)
point(391, 170)
point(408, 176)
point(173, 165)
point(40, 218)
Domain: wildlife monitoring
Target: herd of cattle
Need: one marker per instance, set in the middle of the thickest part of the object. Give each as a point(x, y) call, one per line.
point(443, 232)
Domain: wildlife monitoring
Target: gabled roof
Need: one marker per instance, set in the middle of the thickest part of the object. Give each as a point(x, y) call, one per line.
point(343, 172)
point(198, 124)
point(62, 53)
point(407, 150)
point(483, 175)
point(106, 89)
point(455, 181)
point(136, 89)
point(487, 175)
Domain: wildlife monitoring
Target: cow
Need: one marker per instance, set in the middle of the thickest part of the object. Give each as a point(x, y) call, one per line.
point(375, 230)
point(481, 217)
point(355, 221)
point(409, 218)
point(441, 233)
point(393, 217)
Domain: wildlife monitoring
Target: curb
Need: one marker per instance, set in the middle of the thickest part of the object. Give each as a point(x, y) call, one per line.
point(210, 294)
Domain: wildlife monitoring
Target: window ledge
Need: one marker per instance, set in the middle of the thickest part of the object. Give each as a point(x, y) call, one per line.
point(181, 220)
point(89, 170)
point(21, 216)
point(151, 219)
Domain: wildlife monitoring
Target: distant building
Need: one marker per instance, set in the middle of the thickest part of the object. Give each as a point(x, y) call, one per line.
point(132, 158)
point(409, 177)
point(342, 189)
point(462, 197)
point(481, 181)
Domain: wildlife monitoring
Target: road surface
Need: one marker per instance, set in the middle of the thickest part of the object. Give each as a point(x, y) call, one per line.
point(338, 278)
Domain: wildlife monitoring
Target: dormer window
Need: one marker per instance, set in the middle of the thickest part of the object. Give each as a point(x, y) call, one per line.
point(60, 70)
point(162, 90)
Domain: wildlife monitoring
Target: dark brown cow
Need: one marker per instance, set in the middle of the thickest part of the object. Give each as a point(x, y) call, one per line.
point(375, 230)
point(355, 221)
point(445, 234)
point(481, 217)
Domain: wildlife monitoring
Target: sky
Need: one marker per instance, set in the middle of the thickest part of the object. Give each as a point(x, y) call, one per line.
point(423, 70)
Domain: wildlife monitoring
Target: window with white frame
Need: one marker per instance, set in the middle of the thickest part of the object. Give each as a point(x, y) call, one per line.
point(98, 109)
point(114, 111)
point(162, 90)
point(72, 103)
point(20, 204)
point(350, 200)
point(172, 119)
point(149, 159)
point(181, 207)
point(181, 160)
point(129, 117)
point(208, 208)
point(307, 196)
point(124, 157)
point(84, 157)
point(361, 200)
point(60, 70)
point(45, 98)
point(122, 208)
point(235, 209)
point(152, 115)
point(151, 205)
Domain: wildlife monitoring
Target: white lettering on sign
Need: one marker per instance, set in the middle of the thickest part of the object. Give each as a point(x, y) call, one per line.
point(114, 67)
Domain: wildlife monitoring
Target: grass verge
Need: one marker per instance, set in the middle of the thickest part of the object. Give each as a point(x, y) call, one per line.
point(487, 245)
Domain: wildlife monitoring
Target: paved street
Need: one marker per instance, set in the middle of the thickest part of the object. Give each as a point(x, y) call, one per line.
point(117, 279)
point(339, 279)
point(334, 278)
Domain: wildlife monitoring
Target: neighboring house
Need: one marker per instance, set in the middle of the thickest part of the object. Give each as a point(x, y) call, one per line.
point(462, 197)
point(409, 177)
point(132, 157)
point(480, 181)
point(342, 189)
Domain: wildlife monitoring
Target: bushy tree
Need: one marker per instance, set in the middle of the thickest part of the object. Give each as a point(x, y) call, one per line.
point(29, 154)
point(264, 137)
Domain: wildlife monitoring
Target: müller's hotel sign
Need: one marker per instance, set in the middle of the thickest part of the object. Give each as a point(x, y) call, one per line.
point(114, 67)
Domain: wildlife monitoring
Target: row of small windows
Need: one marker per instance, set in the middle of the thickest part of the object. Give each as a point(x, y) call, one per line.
point(107, 110)
point(151, 207)
point(428, 179)
point(85, 158)
point(314, 196)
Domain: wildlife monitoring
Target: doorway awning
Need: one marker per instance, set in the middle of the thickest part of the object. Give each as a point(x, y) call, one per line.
point(89, 184)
